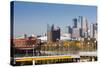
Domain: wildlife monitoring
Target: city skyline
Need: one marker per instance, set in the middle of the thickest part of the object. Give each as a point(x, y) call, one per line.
point(32, 18)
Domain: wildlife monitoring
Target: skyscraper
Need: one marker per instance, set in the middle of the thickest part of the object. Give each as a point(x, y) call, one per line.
point(49, 33)
point(53, 34)
point(80, 21)
point(75, 23)
point(93, 30)
point(75, 33)
point(83, 25)
point(75, 29)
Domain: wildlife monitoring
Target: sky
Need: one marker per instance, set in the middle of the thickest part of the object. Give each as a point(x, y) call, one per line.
point(32, 18)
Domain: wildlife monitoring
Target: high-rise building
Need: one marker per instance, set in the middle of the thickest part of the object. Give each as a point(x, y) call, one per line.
point(80, 21)
point(75, 33)
point(75, 23)
point(75, 29)
point(83, 25)
point(49, 33)
point(53, 34)
point(93, 30)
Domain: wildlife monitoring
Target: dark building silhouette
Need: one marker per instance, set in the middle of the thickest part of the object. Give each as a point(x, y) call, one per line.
point(53, 34)
point(75, 23)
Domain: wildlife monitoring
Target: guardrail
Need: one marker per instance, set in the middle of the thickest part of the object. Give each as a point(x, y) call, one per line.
point(22, 59)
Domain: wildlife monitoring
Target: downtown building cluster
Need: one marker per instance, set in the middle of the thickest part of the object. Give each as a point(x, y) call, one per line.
point(80, 29)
